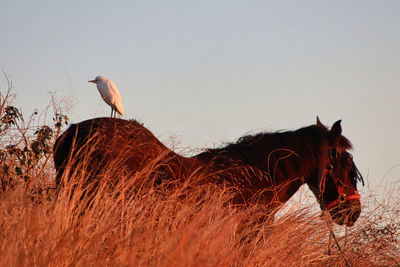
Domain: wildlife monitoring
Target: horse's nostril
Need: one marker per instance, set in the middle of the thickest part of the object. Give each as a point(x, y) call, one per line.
point(353, 216)
point(346, 213)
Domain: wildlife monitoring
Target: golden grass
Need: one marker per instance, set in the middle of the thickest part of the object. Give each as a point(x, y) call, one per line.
point(187, 225)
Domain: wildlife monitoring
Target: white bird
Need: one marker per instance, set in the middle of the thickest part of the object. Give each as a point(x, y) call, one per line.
point(110, 94)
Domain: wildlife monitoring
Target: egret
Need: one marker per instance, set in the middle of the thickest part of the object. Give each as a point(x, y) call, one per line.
point(110, 94)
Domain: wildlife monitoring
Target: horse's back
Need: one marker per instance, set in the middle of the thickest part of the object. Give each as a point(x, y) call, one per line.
point(104, 143)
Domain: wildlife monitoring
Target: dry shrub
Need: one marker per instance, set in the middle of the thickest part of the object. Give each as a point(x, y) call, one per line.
point(26, 144)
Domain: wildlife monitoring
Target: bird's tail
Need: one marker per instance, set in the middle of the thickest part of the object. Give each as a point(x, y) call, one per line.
point(119, 108)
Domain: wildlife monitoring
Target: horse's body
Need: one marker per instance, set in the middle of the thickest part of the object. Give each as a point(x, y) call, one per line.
point(266, 168)
point(108, 140)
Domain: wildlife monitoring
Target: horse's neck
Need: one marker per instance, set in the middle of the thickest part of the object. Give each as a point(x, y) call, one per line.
point(279, 157)
point(284, 159)
point(288, 164)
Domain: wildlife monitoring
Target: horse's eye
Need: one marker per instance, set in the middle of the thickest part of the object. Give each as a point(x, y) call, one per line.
point(348, 162)
point(329, 167)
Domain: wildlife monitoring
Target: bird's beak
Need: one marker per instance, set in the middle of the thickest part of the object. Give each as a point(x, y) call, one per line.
point(92, 81)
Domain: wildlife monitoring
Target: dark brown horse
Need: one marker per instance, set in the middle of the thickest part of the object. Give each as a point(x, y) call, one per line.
point(265, 168)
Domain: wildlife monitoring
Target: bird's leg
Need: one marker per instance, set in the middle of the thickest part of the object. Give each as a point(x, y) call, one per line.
point(111, 112)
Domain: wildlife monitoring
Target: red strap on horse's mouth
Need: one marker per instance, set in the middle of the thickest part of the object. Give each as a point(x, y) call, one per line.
point(341, 199)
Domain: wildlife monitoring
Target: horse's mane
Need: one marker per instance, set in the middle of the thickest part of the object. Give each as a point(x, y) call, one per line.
point(304, 141)
point(315, 134)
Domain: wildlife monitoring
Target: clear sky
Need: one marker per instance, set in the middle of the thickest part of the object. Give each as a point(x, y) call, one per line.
point(212, 71)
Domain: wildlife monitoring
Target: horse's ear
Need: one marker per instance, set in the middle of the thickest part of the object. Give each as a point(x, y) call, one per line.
point(336, 129)
point(319, 123)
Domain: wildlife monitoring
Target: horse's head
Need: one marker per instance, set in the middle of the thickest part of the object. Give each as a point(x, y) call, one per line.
point(336, 184)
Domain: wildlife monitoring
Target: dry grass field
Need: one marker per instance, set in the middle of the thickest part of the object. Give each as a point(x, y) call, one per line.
point(133, 224)
point(151, 228)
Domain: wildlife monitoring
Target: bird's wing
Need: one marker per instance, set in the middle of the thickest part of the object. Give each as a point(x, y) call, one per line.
point(113, 90)
point(116, 97)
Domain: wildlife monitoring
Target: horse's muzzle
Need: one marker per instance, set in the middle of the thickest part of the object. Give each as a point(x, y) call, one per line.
point(347, 212)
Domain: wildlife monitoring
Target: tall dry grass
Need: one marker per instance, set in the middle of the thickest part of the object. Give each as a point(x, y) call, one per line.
point(186, 225)
point(127, 222)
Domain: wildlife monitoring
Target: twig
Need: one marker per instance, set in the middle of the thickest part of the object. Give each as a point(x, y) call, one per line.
point(332, 234)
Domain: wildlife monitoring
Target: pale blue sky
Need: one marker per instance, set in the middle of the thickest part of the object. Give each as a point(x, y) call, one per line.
point(211, 71)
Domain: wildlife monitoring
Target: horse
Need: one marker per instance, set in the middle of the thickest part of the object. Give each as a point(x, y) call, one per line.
point(265, 168)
